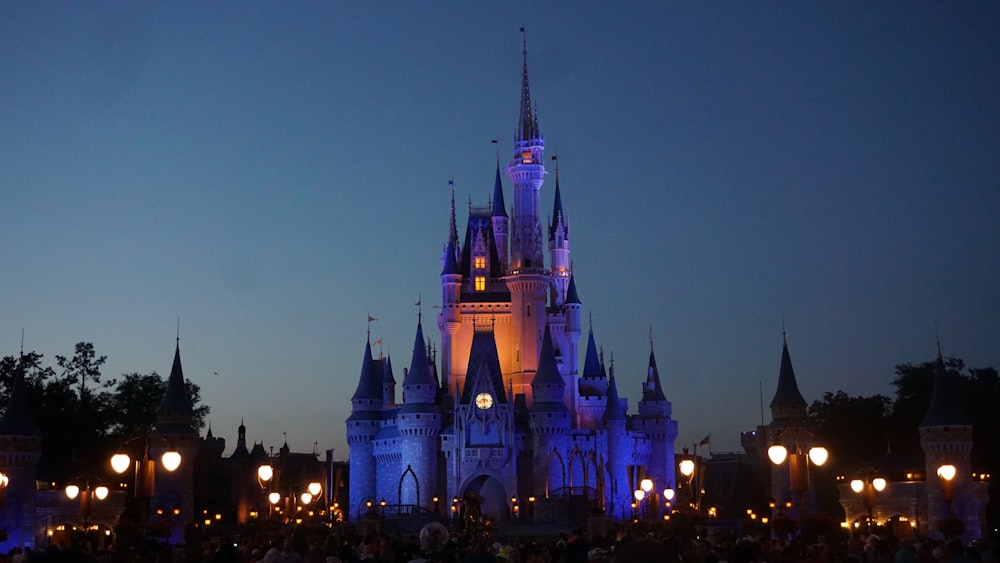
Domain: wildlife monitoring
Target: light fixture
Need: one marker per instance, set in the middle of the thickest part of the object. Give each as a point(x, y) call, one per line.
point(687, 467)
point(639, 495)
point(947, 472)
point(668, 494)
point(646, 485)
point(120, 463)
point(265, 472)
point(72, 491)
point(314, 488)
point(818, 455)
point(879, 484)
point(171, 460)
point(101, 492)
point(777, 454)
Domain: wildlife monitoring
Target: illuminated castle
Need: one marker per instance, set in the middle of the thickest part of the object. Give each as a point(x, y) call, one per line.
point(512, 415)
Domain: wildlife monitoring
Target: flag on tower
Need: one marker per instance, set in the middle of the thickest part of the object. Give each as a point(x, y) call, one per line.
point(706, 440)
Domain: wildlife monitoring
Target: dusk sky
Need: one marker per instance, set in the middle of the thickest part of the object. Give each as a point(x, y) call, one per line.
point(271, 173)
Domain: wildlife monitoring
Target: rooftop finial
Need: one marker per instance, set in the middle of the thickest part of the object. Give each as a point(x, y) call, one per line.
point(420, 310)
point(497, 143)
point(650, 337)
point(371, 319)
point(937, 338)
point(784, 337)
point(452, 227)
point(528, 124)
point(178, 332)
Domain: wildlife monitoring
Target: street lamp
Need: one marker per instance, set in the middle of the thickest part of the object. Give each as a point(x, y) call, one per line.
point(145, 473)
point(4, 481)
point(86, 497)
point(867, 489)
point(265, 473)
point(798, 468)
point(946, 473)
point(689, 470)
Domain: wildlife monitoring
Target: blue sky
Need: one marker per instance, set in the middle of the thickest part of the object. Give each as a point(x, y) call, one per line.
point(273, 173)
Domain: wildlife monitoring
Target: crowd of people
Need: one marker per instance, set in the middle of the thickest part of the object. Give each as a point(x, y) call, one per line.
point(438, 545)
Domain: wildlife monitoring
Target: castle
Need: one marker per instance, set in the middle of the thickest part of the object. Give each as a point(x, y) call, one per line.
point(512, 417)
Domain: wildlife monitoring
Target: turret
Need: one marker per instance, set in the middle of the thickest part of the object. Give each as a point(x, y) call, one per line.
point(527, 173)
point(388, 384)
point(419, 422)
point(617, 490)
point(787, 402)
point(946, 439)
point(559, 249)
point(501, 221)
point(241, 450)
point(20, 450)
point(362, 426)
point(655, 421)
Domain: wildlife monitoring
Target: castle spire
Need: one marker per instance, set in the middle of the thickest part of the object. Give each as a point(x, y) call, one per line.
point(528, 120)
point(787, 401)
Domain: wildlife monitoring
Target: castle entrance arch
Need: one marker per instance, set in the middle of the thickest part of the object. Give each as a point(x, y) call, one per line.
point(491, 495)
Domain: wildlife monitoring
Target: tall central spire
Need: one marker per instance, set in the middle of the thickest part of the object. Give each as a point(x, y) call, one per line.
point(528, 121)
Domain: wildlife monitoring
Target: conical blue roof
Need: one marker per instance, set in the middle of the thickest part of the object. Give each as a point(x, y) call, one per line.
point(944, 409)
point(175, 414)
point(558, 217)
point(592, 362)
point(548, 370)
point(787, 394)
point(613, 410)
point(370, 382)
point(527, 122)
point(498, 203)
point(420, 368)
point(484, 363)
point(652, 390)
point(450, 260)
point(17, 420)
point(572, 298)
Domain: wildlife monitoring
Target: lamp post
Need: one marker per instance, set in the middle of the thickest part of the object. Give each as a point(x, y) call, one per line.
point(4, 481)
point(145, 475)
point(86, 496)
point(639, 496)
point(265, 473)
point(798, 468)
point(668, 499)
point(867, 488)
point(689, 470)
point(946, 474)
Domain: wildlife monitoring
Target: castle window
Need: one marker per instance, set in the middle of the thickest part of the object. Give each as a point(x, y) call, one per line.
point(480, 262)
point(480, 283)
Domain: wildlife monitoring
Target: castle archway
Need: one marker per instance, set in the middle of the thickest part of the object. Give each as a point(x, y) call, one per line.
point(492, 495)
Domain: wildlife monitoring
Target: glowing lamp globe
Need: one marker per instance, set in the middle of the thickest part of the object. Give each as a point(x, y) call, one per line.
point(120, 463)
point(274, 498)
point(879, 484)
point(72, 491)
point(639, 495)
point(947, 472)
point(668, 493)
point(101, 492)
point(306, 498)
point(314, 489)
point(777, 454)
point(857, 485)
point(171, 460)
point(265, 473)
point(687, 467)
point(646, 485)
point(818, 455)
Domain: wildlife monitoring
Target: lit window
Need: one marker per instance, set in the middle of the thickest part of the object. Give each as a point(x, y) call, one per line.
point(480, 283)
point(480, 262)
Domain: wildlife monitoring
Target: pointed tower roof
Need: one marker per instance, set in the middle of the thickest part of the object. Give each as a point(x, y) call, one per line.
point(548, 370)
point(420, 368)
point(558, 216)
point(592, 362)
point(175, 413)
point(613, 411)
point(387, 377)
point(527, 125)
point(787, 398)
point(370, 383)
point(499, 208)
point(944, 409)
point(572, 298)
point(483, 371)
point(17, 420)
point(652, 390)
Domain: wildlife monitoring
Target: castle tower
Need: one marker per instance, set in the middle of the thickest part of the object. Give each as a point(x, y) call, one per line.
point(174, 429)
point(559, 249)
point(527, 279)
point(946, 439)
point(419, 423)
point(789, 427)
point(548, 418)
point(20, 450)
point(501, 221)
point(362, 427)
point(450, 318)
point(655, 421)
point(388, 384)
point(618, 493)
point(593, 387)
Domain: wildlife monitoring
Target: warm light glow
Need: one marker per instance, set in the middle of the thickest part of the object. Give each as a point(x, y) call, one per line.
point(639, 495)
point(777, 454)
point(646, 485)
point(818, 455)
point(668, 494)
point(265, 473)
point(274, 498)
point(480, 262)
point(687, 467)
point(4, 480)
point(72, 491)
point(101, 492)
point(171, 460)
point(480, 283)
point(120, 463)
point(879, 484)
point(306, 498)
point(947, 472)
point(314, 489)
point(857, 485)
